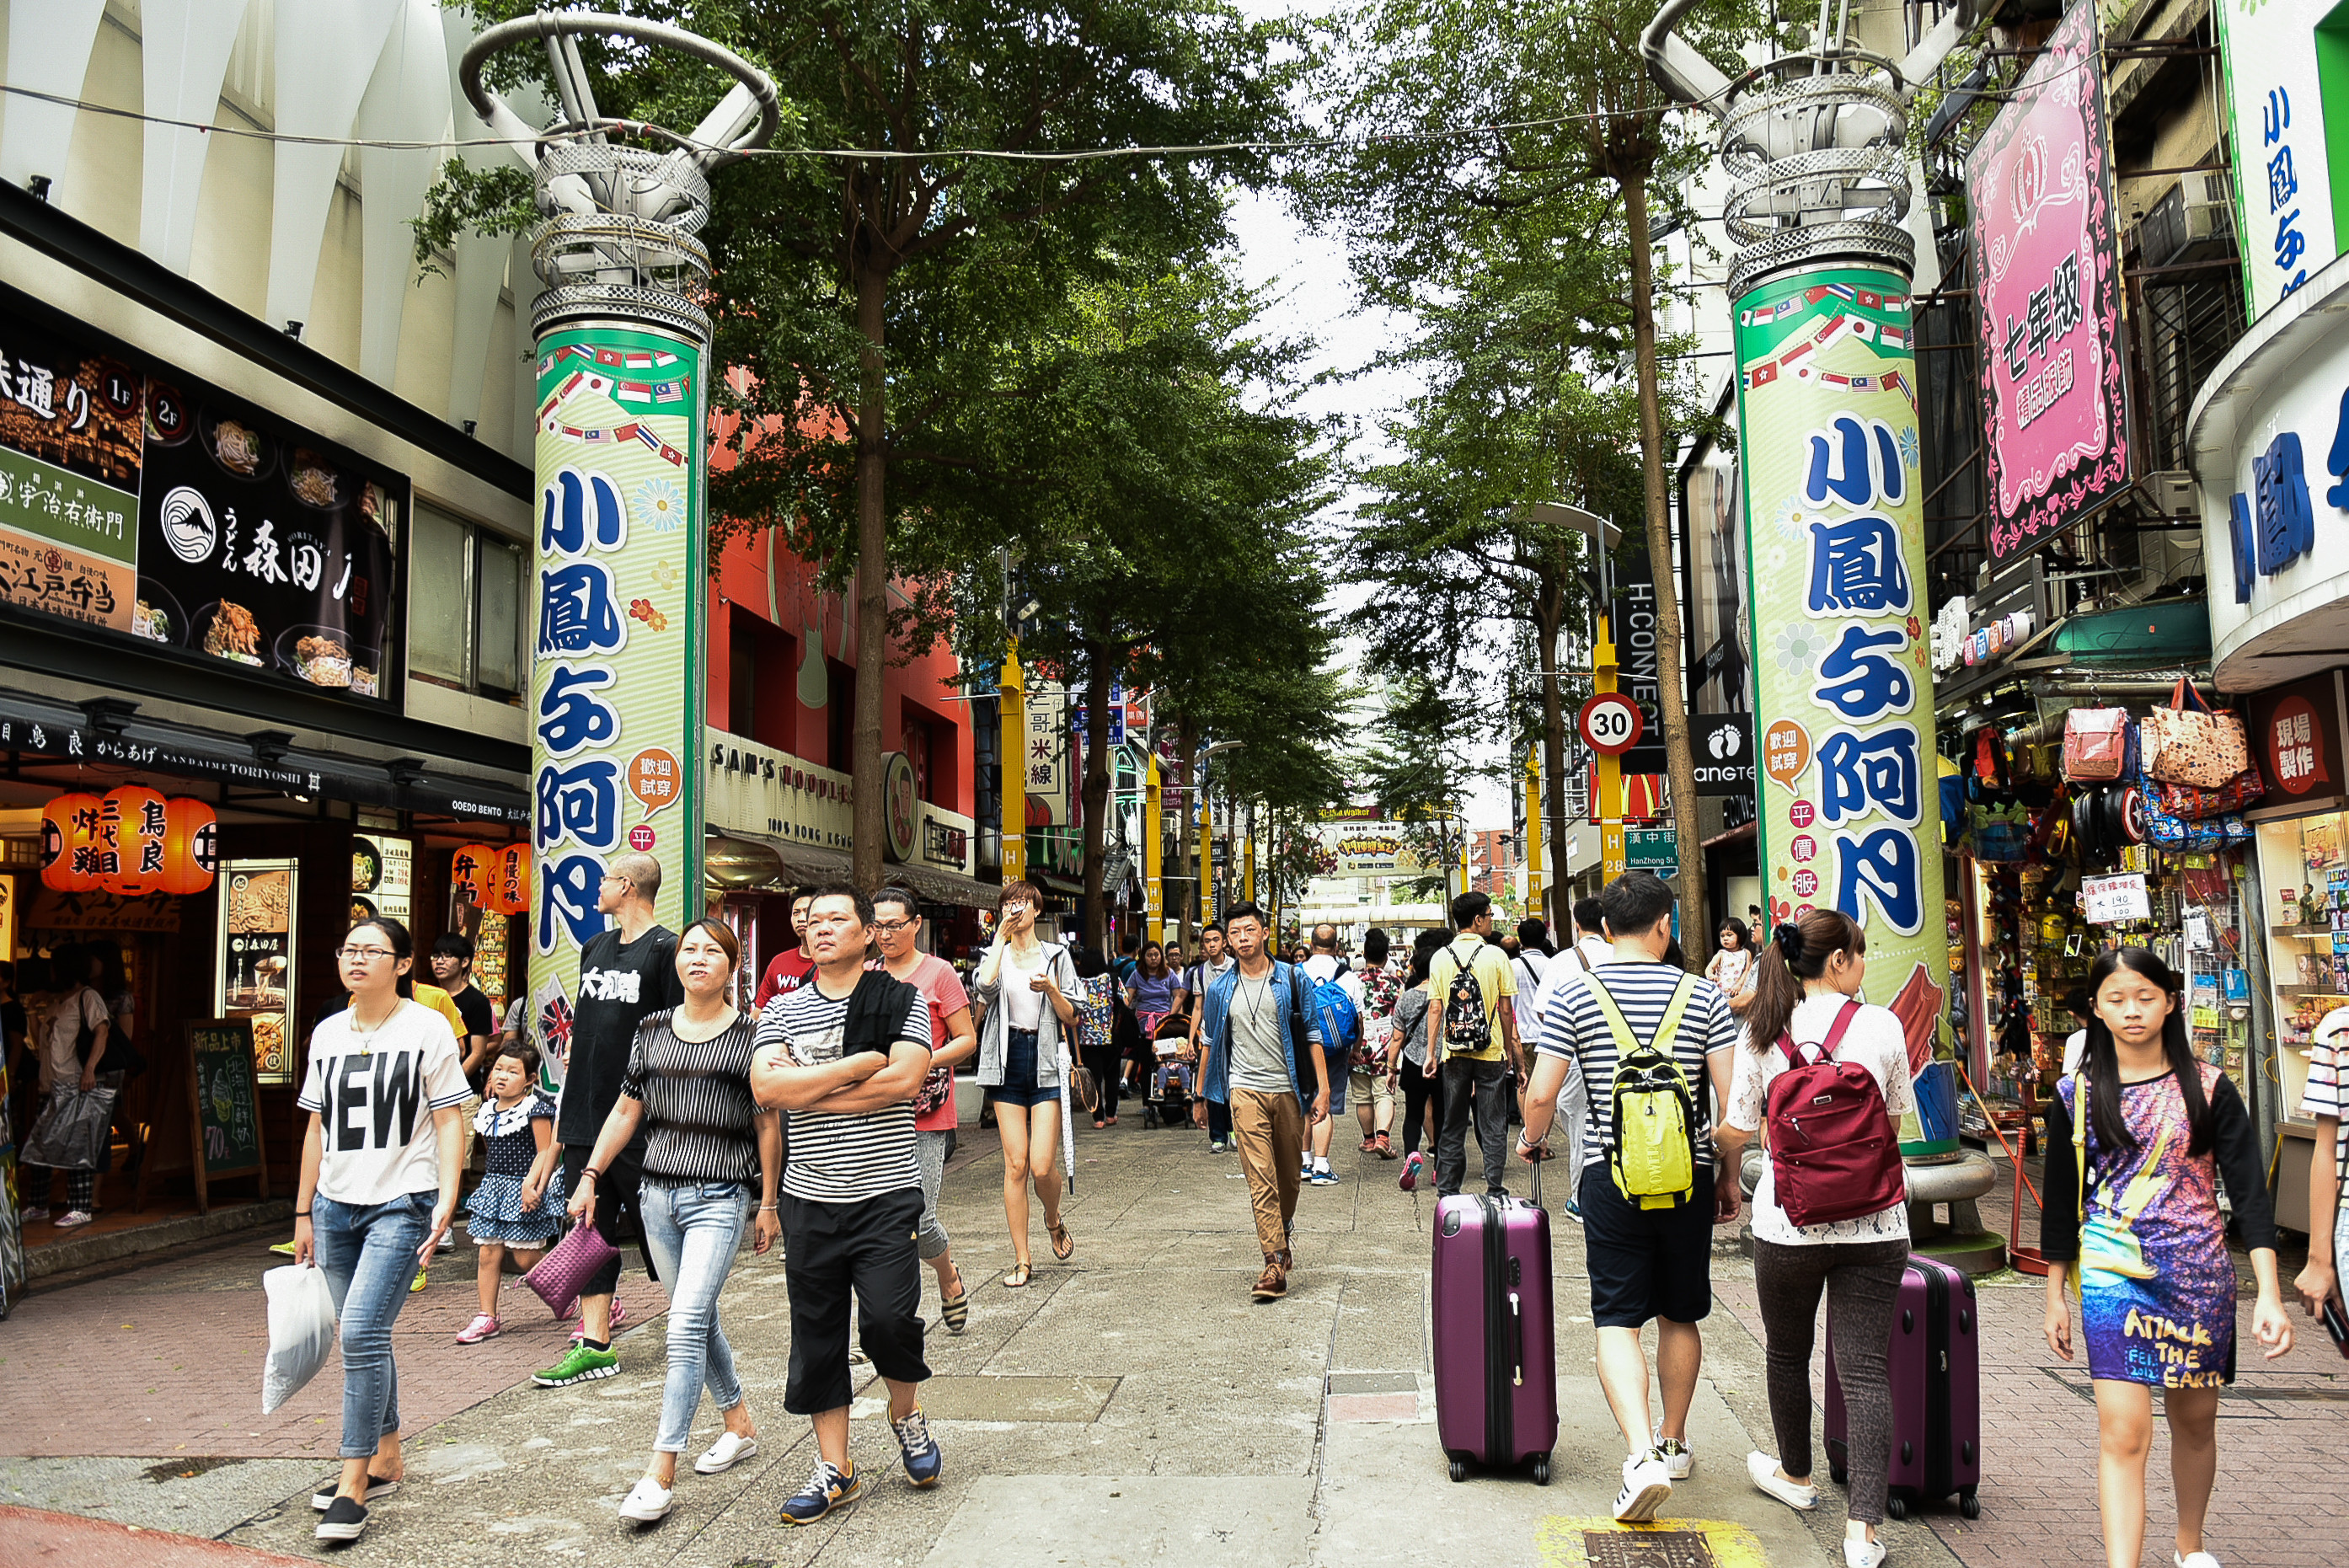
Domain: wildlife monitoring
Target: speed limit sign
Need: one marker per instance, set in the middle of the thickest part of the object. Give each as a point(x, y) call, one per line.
point(1611, 723)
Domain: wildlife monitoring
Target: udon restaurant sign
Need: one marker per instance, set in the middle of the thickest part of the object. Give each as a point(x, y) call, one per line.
point(145, 503)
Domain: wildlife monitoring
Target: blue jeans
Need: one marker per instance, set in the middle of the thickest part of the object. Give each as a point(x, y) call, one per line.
point(694, 1231)
point(369, 1251)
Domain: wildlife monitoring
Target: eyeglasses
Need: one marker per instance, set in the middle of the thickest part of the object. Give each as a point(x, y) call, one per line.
point(364, 955)
point(890, 927)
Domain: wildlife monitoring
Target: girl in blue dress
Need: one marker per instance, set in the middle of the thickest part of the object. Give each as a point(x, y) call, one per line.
point(518, 1207)
point(2132, 1199)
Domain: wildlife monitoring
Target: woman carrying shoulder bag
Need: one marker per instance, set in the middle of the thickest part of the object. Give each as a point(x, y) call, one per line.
point(1846, 1234)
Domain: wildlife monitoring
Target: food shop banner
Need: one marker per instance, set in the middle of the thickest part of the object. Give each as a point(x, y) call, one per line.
point(145, 503)
point(616, 625)
point(1844, 700)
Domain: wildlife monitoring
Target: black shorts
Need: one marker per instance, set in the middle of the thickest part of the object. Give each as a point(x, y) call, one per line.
point(1646, 1262)
point(838, 1253)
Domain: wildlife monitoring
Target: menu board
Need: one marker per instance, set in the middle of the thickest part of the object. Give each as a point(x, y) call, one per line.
point(256, 959)
point(228, 1110)
point(383, 872)
point(146, 503)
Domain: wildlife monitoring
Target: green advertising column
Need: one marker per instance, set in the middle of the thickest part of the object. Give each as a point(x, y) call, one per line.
point(617, 634)
point(1847, 809)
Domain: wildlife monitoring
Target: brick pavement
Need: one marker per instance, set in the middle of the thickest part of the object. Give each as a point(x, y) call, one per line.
point(30, 1538)
point(173, 1353)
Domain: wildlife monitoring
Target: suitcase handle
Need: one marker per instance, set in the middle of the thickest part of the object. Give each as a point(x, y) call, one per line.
point(1516, 1341)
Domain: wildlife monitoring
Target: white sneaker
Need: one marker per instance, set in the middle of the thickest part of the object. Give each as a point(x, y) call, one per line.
point(1868, 1554)
point(2195, 1560)
point(74, 1217)
point(1677, 1457)
point(725, 1453)
point(1647, 1484)
point(32, 1213)
point(1764, 1470)
point(648, 1502)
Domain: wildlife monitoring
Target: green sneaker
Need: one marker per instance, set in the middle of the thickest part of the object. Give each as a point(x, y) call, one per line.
point(581, 1365)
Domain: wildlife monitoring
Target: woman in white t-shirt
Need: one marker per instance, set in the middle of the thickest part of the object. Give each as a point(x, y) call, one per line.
point(381, 1162)
point(1805, 983)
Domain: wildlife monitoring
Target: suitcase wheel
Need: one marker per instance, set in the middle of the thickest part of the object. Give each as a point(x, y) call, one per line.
point(1460, 1470)
point(1970, 1505)
point(1895, 1506)
point(1541, 1469)
point(1839, 1472)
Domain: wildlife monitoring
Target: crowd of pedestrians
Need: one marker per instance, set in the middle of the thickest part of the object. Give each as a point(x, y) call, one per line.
point(821, 1116)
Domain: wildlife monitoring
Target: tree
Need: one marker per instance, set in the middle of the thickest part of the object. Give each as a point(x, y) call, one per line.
point(870, 289)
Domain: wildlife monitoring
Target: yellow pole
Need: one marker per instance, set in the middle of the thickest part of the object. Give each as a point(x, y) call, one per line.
point(1248, 874)
point(1610, 769)
point(1534, 834)
point(1013, 754)
point(1204, 870)
point(1154, 913)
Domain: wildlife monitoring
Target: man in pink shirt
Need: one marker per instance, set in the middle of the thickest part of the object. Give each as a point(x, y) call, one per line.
point(897, 921)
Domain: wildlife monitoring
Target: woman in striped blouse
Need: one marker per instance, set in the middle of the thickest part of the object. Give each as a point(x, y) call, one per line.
point(687, 1094)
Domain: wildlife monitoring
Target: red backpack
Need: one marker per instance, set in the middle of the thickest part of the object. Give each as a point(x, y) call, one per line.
point(1832, 1151)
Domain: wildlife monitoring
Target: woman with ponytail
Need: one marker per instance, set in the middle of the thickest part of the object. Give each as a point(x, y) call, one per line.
point(1806, 993)
point(2132, 1206)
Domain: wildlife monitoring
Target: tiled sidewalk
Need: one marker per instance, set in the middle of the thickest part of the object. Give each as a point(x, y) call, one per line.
point(175, 1350)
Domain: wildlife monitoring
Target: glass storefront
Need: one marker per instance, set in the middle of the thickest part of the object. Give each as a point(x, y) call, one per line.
point(2305, 876)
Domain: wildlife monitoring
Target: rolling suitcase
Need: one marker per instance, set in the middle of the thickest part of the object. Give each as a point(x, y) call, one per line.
point(1935, 1367)
point(1495, 1334)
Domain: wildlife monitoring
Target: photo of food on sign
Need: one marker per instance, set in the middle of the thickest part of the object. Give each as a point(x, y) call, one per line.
point(139, 501)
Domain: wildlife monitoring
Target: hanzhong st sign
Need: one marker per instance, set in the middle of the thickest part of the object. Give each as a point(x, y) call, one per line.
point(144, 503)
point(2054, 409)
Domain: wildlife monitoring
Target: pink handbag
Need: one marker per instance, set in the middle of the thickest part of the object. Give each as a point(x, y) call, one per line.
point(2096, 743)
point(568, 1265)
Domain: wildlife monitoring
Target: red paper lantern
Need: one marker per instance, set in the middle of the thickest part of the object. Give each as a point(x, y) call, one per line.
point(191, 845)
point(69, 843)
point(472, 871)
point(133, 865)
point(510, 881)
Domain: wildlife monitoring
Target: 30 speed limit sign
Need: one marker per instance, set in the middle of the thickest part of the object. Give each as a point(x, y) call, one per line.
point(1611, 723)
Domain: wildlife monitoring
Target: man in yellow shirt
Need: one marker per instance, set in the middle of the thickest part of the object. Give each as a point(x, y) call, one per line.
point(1477, 1054)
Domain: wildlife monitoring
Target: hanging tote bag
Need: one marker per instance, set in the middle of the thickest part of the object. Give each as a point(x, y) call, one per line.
point(568, 1265)
point(2187, 743)
point(2096, 743)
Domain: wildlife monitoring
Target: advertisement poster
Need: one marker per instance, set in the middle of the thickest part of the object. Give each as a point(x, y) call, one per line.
point(2047, 272)
point(2272, 50)
point(143, 503)
point(1360, 841)
point(1844, 700)
point(616, 630)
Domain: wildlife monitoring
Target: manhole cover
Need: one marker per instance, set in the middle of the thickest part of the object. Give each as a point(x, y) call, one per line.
point(1648, 1549)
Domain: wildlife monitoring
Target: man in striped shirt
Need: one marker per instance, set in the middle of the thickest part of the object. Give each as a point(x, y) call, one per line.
point(1645, 1262)
point(845, 1053)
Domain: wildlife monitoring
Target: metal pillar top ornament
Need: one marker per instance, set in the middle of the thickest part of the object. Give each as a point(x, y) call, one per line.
point(1813, 143)
point(621, 220)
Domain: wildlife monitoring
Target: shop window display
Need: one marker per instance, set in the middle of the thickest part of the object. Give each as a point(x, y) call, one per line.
point(2305, 869)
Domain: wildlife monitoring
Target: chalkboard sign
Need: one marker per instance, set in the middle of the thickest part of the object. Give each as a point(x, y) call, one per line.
point(225, 1105)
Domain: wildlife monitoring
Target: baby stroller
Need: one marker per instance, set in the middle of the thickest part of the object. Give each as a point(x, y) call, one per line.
point(1167, 1101)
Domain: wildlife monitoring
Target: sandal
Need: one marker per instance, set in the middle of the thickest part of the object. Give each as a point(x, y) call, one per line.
point(1099, 1124)
point(1018, 1278)
point(955, 1309)
point(1063, 1244)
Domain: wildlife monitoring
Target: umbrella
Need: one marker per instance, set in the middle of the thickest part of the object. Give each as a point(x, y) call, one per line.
point(1068, 1119)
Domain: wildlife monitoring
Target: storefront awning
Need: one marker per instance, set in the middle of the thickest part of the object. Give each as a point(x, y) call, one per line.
point(749, 862)
point(2166, 634)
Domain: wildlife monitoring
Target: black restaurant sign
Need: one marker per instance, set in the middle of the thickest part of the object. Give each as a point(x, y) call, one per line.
point(146, 503)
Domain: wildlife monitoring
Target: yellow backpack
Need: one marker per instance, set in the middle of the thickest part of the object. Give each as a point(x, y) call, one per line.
point(1654, 1157)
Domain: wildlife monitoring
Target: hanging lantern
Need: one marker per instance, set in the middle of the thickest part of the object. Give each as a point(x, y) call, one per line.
point(191, 845)
point(472, 872)
point(69, 842)
point(132, 866)
point(510, 884)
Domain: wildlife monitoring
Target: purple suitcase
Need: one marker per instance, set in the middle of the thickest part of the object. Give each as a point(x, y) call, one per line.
point(1935, 1367)
point(1495, 1333)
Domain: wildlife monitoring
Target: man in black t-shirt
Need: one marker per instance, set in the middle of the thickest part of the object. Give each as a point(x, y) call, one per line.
point(452, 966)
point(626, 971)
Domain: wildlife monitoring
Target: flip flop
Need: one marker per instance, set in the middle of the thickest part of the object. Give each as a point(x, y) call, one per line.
point(1016, 1279)
point(1063, 1244)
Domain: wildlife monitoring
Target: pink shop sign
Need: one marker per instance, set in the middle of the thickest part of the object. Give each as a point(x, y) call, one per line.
point(2047, 287)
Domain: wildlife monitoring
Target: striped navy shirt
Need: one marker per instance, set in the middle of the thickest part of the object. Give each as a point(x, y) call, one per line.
point(698, 1117)
point(837, 1158)
point(1575, 1028)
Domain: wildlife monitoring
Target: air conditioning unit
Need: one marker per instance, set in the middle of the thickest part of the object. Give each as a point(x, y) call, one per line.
point(2194, 221)
point(2174, 494)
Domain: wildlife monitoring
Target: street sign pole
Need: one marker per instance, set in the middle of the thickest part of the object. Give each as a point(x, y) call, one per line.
point(1013, 776)
point(1610, 766)
point(1152, 873)
point(1534, 834)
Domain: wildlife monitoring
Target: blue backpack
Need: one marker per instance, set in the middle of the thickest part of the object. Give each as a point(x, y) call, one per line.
point(1341, 1020)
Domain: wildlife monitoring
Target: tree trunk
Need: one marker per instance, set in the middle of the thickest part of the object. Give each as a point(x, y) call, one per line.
point(1096, 791)
point(1549, 615)
point(1186, 752)
point(1680, 758)
point(865, 826)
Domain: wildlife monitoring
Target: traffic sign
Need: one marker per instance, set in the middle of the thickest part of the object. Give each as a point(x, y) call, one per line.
point(1653, 849)
point(1611, 723)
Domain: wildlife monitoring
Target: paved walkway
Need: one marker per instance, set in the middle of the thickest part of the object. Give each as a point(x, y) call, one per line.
point(1130, 1406)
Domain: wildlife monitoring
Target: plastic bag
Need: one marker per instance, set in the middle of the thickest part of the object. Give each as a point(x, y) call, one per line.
point(73, 1131)
point(301, 1330)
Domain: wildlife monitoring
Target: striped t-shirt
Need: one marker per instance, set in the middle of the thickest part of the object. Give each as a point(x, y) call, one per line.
point(835, 1157)
point(1574, 1027)
point(699, 1119)
point(2328, 1045)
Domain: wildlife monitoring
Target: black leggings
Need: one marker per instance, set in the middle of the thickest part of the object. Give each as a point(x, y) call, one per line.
point(1862, 1281)
point(1107, 1065)
point(1423, 1104)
